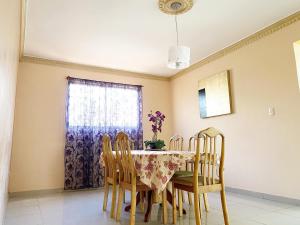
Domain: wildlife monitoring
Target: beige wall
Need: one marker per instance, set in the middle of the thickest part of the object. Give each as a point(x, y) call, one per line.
point(9, 50)
point(262, 151)
point(39, 137)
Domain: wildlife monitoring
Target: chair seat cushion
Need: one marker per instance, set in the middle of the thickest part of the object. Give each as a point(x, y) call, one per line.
point(189, 180)
point(183, 173)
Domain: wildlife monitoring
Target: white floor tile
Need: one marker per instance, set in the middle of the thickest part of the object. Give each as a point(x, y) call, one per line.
point(293, 211)
point(30, 219)
point(22, 211)
point(277, 219)
point(85, 208)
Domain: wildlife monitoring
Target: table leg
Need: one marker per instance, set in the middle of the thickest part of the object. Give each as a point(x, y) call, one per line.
point(149, 207)
point(150, 203)
point(169, 199)
point(138, 199)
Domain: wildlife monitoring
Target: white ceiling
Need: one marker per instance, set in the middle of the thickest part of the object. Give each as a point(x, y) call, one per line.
point(134, 35)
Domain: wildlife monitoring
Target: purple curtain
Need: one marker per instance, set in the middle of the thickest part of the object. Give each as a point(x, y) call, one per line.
point(95, 108)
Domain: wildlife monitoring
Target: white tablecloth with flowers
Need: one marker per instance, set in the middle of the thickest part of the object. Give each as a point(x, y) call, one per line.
point(156, 168)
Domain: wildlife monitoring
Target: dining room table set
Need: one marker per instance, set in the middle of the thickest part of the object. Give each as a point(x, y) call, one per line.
point(165, 176)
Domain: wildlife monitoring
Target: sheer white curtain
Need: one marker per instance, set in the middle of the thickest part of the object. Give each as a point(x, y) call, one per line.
point(99, 106)
point(95, 108)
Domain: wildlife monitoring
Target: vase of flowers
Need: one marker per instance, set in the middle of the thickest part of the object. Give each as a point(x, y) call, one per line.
point(157, 120)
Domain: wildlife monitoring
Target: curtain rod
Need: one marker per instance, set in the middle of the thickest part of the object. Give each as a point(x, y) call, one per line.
point(75, 78)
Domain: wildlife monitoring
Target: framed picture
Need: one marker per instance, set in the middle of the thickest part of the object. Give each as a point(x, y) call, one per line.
point(214, 95)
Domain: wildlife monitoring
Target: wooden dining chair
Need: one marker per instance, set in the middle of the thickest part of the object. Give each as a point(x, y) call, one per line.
point(129, 180)
point(176, 144)
point(142, 194)
point(210, 142)
point(192, 148)
point(111, 174)
point(142, 197)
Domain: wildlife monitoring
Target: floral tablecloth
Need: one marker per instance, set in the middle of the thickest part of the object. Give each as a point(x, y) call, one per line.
point(156, 168)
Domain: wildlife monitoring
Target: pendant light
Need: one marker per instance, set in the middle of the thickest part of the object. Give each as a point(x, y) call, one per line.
point(179, 55)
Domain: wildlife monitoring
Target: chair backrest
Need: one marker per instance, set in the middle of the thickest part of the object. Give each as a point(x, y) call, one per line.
point(131, 144)
point(176, 143)
point(108, 157)
point(210, 145)
point(193, 143)
point(124, 158)
point(130, 141)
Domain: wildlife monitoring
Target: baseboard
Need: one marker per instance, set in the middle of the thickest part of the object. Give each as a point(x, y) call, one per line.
point(36, 193)
point(275, 198)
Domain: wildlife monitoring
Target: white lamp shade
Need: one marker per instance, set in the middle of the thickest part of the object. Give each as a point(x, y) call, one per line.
point(179, 57)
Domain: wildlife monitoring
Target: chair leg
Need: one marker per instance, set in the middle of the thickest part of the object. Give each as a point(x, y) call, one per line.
point(120, 202)
point(165, 206)
point(124, 196)
point(142, 202)
point(106, 190)
point(180, 202)
point(133, 205)
point(200, 207)
point(196, 208)
point(206, 205)
point(149, 206)
point(183, 196)
point(174, 204)
point(113, 200)
point(224, 206)
point(190, 198)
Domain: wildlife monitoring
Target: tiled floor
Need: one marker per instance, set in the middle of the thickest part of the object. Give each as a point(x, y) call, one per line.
point(84, 208)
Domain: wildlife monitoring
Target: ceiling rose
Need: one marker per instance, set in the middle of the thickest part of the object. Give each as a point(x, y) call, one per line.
point(175, 7)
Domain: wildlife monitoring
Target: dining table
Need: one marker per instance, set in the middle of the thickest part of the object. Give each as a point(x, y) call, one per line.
point(155, 168)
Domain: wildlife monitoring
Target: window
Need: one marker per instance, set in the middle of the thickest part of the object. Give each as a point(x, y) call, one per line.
point(95, 108)
point(297, 56)
point(103, 105)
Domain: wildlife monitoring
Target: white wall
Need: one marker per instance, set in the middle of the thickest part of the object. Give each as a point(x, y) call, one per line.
point(9, 50)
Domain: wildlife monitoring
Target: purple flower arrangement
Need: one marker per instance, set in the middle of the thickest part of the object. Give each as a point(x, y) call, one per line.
point(157, 120)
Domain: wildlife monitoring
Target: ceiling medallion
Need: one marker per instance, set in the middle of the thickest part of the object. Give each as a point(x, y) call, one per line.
point(175, 7)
